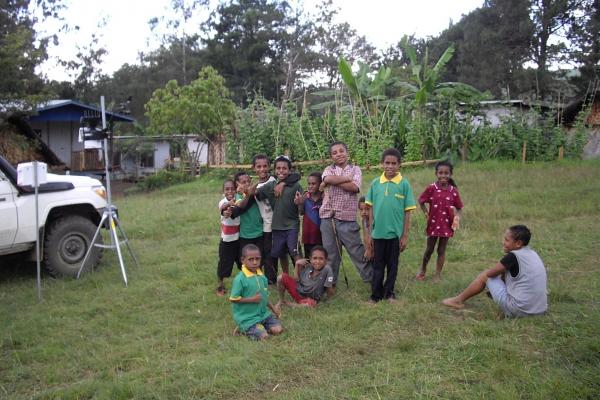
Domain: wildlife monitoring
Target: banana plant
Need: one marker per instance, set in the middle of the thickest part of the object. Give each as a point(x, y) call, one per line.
point(425, 85)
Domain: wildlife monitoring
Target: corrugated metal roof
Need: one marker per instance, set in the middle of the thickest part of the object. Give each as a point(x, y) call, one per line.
point(72, 110)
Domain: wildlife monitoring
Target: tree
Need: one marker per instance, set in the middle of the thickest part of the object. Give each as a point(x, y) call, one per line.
point(184, 11)
point(21, 51)
point(491, 45)
point(585, 38)
point(249, 44)
point(338, 40)
point(552, 19)
point(202, 108)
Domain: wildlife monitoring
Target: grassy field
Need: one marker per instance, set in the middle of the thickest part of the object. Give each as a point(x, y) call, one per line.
point(167, 336)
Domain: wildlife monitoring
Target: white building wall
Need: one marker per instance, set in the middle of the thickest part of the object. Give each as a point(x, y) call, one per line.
point(195, 145)
point(162, 154)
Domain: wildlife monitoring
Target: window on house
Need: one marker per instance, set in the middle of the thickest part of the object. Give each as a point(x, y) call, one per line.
point(147, 159)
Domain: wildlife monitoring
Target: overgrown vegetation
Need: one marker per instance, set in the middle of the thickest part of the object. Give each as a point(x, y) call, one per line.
point(168, 335)
point(162, 179)
point(444, 129)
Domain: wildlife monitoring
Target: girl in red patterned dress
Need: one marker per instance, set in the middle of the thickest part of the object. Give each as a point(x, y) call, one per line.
point(443, 216)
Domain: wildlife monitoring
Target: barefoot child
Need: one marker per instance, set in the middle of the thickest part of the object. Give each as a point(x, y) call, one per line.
point(517, 283)
point(391, 201)
point(443, 199)
point(309, 282)
point(250, 298)
point(230, 234)
point(309, 205)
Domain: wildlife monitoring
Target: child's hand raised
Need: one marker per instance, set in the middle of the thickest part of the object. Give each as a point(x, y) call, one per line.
point(298, 198)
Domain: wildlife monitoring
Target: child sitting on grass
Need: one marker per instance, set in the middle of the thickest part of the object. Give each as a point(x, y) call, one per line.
point(309, 282)
point(517, 283)
point(229, 246)
point(250, 299)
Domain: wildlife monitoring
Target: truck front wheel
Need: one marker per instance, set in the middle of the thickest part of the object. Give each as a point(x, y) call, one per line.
point(67, 241)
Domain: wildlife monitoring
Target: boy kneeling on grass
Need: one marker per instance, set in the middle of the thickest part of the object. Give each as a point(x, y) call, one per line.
point(250, 299)
point(517, 283)
point(310, 280)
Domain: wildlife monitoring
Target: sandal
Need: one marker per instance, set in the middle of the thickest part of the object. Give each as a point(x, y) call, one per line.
point(221, 291)
point(420, 276)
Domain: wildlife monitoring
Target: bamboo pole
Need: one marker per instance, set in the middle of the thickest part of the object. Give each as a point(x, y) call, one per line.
point(322, 162)
point(524, 153)
point(561, 152)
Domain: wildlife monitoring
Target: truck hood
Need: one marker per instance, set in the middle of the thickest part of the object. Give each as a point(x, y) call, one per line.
point(77, 181)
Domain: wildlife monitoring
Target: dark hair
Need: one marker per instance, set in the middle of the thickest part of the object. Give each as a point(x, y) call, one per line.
point(237, 175)
point(337, 142)
point(259, 157)
point(446, 163)
point(316, 175)
point(318, 247)
point(283, 159)
point(520, 233)
point(249, 247)
point(391, 152)
point(362, 199)
point(228, 180)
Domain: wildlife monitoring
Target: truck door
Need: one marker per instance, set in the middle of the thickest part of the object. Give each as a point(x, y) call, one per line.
point(8, 212)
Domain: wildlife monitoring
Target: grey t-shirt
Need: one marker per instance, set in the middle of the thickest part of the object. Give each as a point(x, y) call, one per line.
point(528, 289)
point(315, 286)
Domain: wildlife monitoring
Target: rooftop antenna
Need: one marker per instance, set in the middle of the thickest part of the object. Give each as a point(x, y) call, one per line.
point(110, 214)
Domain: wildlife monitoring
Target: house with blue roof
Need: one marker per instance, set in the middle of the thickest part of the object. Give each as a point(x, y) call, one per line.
point(57, 123)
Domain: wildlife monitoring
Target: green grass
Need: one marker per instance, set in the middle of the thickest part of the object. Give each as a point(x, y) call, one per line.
point(168, 336)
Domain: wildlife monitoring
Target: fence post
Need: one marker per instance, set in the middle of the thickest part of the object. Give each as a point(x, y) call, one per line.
point(524, 155)
point(561, 152)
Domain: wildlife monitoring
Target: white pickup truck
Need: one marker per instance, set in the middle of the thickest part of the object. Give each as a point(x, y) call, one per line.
point(70, 209)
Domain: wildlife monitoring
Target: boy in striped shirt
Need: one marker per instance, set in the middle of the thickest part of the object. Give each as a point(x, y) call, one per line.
point(230, 234)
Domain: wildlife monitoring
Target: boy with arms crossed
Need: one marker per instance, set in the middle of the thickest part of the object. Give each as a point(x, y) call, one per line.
point(341, 184)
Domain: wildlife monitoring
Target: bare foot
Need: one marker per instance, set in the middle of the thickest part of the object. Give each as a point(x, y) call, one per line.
point(392, 300)
point(453, 302)
point(371, 302)
point(277, 308)
point(436, 278)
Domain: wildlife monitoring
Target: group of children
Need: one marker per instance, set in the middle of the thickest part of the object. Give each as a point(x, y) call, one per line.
point(260, 225)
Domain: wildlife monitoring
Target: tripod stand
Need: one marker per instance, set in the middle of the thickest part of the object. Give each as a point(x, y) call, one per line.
point(109, 215)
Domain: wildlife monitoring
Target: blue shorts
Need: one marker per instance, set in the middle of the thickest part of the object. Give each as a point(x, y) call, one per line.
point(285, 242)
point(257, 331)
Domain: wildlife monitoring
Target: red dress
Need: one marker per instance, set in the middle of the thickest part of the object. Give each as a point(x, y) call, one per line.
point(439, 220)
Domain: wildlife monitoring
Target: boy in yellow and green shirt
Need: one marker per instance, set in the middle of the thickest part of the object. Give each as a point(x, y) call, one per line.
point(250, 298)
point(390, 200)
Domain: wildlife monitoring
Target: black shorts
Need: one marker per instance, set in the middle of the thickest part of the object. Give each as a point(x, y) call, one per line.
point(259, 242)
point(229, 253)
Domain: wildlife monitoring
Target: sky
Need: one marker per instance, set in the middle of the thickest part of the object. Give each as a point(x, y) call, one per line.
point(126, 32)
